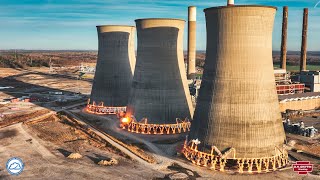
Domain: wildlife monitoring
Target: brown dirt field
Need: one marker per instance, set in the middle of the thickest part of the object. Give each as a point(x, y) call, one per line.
point(61, 132)
point(133, 148)
point(16, 118)
point(46, 160)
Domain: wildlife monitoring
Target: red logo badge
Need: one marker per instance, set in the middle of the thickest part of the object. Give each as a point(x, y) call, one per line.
point(302, 167)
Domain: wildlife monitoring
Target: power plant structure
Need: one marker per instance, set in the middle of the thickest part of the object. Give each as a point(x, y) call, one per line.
point(192, 15)
point(160, 101)
point(283, 51)
point(237, 124)
point(114, 70)
point(230, 3)
point(285, 85)
point(303, 60)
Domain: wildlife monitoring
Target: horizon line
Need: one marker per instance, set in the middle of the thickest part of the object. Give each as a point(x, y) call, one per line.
point(97, 50)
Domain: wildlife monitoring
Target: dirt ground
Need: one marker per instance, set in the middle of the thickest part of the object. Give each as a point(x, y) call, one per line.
point(43, 146)
point(38, 79)
point(45, 160)
point(168, 150)
point(307, 144)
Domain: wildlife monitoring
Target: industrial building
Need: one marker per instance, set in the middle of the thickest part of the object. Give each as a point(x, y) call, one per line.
point(304, 101)
point(237, 124)
point(311, 80)
point(87, 68)
point(299, 128)
point(291, 88)
point(160, 101)
point(114, 70)
point(285, 85)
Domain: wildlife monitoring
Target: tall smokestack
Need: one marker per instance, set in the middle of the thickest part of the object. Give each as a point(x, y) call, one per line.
point(303, 58)
point(192, 13)
point(159, 90)
point(237, 121)
point(114, 69)
point(230, 3)
point(283, 56)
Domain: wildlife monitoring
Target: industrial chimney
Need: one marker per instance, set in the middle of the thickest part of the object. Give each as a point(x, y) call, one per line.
point(237, 123)
point(303, 57)
point(283, 56)
point(114, 70)
point(192, 15)
point(230, 2)
point(159, 93)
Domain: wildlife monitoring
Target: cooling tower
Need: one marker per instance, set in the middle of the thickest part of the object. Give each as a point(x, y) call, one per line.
point(237, 123)
point(159, 92)
point(114, 69)
point(192, 15)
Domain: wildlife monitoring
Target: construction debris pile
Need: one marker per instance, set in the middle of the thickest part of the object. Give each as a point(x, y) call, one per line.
point(75, 156)
point(110, 162)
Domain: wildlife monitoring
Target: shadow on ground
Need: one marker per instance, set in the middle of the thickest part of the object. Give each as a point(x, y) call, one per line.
point(22, 88)
point(190, 174)
point(98, 158)
point(64, 152)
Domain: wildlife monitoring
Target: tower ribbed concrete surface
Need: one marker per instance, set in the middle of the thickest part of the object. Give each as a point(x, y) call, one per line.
point(115, 65)
point(237, 115)
point(159, 90)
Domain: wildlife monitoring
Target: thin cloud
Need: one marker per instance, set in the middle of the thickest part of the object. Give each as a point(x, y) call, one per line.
point(73, 18)
point(316, 4)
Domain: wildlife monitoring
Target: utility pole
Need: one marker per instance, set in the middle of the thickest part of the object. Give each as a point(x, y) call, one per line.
point(15, 54)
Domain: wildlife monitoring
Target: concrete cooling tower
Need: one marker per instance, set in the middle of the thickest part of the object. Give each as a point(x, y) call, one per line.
point(160, 101)
point(237, 123)
point(114, 70)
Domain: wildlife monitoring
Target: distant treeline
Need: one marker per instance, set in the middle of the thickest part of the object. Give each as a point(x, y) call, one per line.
point(313, 53)
point(20, 59)
point(41, 51)
point(38, 58)
point(310, 53)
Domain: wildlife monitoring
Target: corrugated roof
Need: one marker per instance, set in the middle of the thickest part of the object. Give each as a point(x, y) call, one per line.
point(299, 95)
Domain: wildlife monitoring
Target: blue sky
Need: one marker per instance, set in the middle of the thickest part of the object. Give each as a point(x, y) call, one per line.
point(70, 24)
